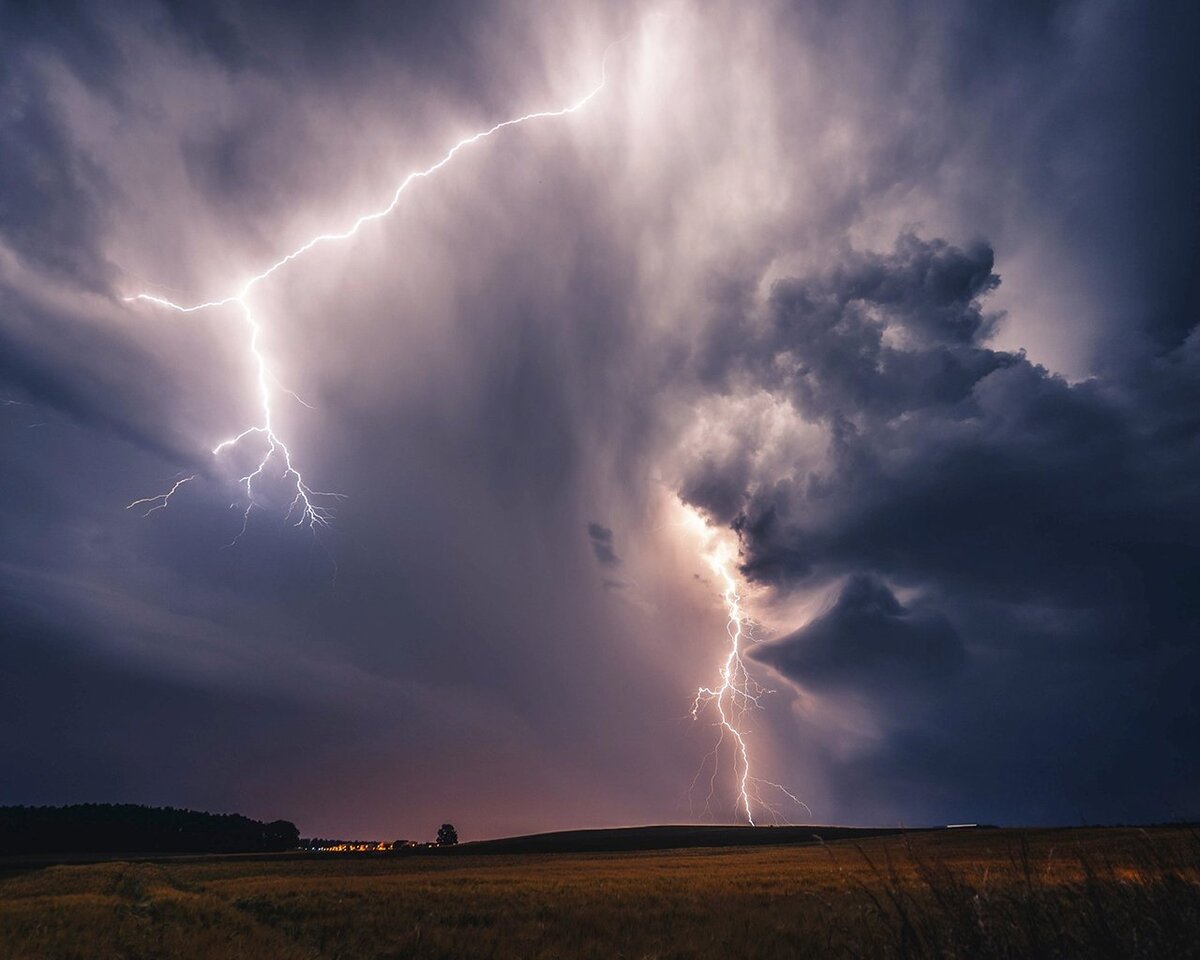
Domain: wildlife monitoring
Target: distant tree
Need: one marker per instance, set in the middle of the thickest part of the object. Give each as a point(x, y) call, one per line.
point(447, 836)
point(281, 835)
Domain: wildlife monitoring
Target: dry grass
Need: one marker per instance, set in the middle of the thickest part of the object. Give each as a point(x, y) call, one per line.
point(1080, 893)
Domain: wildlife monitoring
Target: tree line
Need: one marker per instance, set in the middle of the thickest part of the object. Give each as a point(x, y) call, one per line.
point(132, 828)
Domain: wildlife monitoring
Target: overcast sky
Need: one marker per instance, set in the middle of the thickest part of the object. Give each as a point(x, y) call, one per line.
point(899, 298)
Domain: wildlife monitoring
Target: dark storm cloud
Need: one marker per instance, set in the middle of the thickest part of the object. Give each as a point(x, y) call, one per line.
point(937, 431)
point(1051, 529)
point(825, 344)
point(56, 204)
point(48, 204)
point(317, 41)
point(602, 545)
point(869, 637)
point(1066, 129)
point(84, 371)
point(108, 714)
point(71, 31)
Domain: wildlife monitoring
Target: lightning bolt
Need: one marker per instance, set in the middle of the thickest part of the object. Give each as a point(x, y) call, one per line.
point(158, 502)
point(736, 693)
point(308, 507)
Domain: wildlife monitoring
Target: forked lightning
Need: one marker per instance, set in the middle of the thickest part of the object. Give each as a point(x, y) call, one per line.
point(309, 507)
point(736, 694)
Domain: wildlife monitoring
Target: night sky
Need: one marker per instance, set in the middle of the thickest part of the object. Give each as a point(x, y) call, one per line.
point(900, 298)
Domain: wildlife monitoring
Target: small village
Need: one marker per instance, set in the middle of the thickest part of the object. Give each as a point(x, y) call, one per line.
point(447, 836)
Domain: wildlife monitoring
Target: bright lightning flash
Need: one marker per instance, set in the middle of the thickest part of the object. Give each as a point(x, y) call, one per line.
point(737, 692)
point(308, 507)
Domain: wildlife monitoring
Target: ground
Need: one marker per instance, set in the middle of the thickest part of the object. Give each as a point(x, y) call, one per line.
point(959, 893)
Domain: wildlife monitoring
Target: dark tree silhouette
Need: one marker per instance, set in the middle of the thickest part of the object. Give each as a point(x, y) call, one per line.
point(130, 828)
point(281, 835)
point(447, 836)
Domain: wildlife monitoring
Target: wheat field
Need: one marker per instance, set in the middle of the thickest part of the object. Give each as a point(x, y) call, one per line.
point(986, 893)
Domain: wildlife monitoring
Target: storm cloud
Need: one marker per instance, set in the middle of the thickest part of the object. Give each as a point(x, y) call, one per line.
point(867, 637)
point(900, 297)
point(602, 545)
point(1048, 528)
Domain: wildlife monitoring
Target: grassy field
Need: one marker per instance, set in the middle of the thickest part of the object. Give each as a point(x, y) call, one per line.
point(966, 894)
